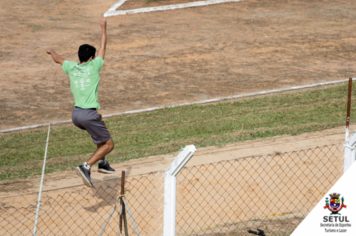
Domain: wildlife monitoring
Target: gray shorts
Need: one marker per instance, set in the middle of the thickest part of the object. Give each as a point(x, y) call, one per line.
point(91, 121)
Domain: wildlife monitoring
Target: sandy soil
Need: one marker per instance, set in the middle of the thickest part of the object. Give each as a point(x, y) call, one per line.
point(262, 179)
point(171, 57)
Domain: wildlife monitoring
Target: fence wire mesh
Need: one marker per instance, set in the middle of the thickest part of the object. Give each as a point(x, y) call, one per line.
point(84, 211)
point(273, 192)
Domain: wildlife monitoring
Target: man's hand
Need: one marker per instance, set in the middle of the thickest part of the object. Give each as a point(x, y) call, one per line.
point(103, 23)
point(102, 49)
point(56, 58)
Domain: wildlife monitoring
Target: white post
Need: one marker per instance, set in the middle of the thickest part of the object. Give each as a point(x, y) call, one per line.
point(347, 134)
point(350, 152)
point(41, 185)
point(170, 189)
point(347, 157)
point(169, 204)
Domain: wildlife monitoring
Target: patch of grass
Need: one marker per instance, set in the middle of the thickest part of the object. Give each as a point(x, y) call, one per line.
point(36, 27)
point(167, 130)
point(55, 19)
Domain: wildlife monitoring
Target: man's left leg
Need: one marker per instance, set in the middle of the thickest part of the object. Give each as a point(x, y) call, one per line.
point(85, 169)
point(104, 148)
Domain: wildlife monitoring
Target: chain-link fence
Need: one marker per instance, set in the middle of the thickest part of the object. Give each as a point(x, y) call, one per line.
point(84, 211)
point(273, 192)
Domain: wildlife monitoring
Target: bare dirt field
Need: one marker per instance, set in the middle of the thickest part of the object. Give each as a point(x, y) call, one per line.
point(171, 57)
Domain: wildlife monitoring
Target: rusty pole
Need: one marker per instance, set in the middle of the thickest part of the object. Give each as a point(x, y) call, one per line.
point(348, 110)
point(122, 206)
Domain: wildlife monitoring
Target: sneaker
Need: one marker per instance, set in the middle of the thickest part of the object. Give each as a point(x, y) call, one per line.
point(85, 174)
point(105, 168)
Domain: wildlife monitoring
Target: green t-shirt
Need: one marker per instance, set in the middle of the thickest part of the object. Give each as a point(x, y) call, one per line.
point(84, 81)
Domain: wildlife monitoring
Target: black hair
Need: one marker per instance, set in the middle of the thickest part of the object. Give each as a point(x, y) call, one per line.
point(85, 52)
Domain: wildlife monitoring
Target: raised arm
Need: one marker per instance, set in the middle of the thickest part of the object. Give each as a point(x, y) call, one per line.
point(102, 49)
point(56, 58)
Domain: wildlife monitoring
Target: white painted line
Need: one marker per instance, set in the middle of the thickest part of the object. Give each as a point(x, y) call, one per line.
point(116, 6)
point(192, 103)
point(113, 12)
point(34, 126)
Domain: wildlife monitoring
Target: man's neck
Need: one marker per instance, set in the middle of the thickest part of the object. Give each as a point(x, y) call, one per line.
point(87, 60)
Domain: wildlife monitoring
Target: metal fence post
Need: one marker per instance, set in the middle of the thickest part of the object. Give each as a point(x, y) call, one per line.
point(348, 141)
point(170, 189)
point(348, 109)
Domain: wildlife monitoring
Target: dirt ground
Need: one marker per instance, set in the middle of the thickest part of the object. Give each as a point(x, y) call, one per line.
point(171, 57)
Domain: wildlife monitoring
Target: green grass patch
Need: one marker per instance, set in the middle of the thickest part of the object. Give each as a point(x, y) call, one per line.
point(167, 130)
